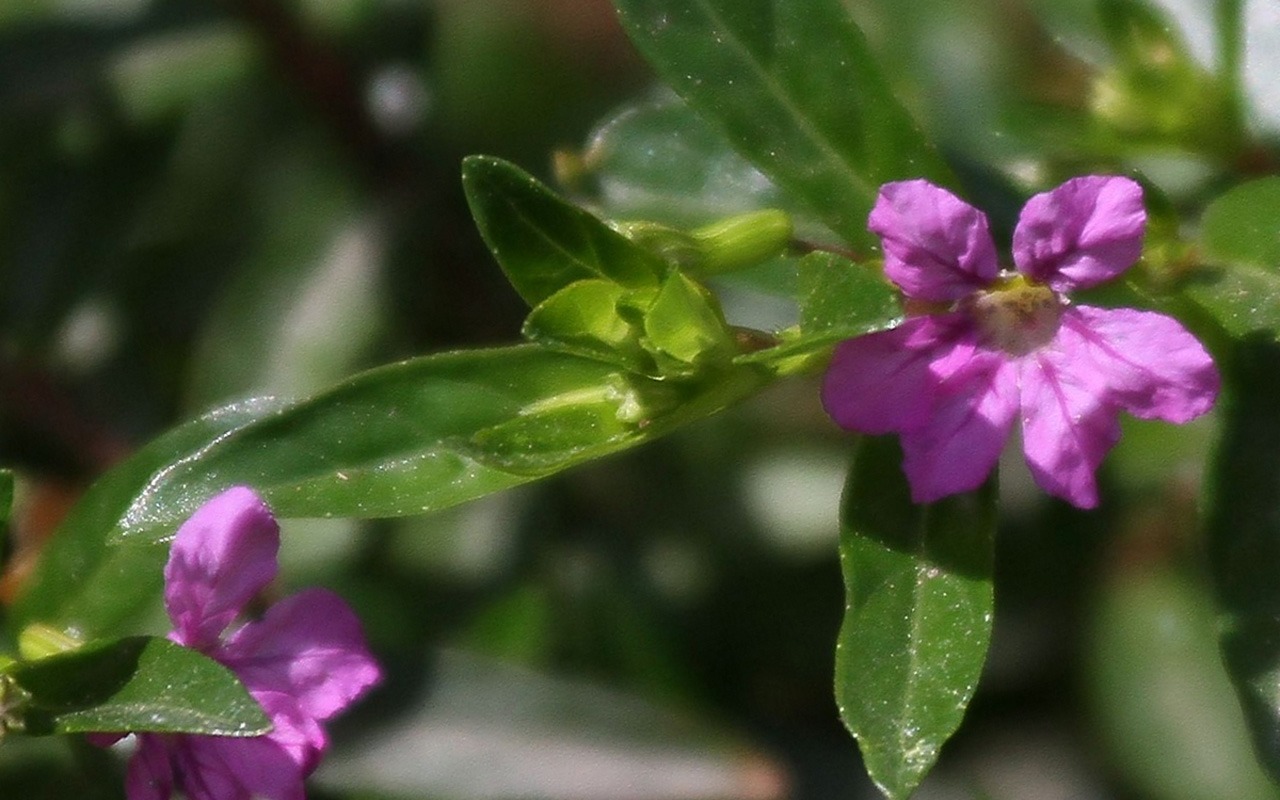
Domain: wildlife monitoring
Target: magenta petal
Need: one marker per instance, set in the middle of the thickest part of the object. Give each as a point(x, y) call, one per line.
point(310, 647)
point(936, 246)
point(150, 772)
point(221, 557)
point(231, 768)
point(882, 382)
point(293, 730)
point(1067, 424)
point(1152, 366)
point(973, 412)
point(1086, 231)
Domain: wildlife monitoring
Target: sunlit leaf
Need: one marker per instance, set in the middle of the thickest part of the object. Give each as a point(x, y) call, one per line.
point(417, 436)
point(543, 242)
point(796, 90)
point(838, 300)
point(917, 616)
point(79, 578)
point(587, 318)
point(686, 326)
point(136, 684)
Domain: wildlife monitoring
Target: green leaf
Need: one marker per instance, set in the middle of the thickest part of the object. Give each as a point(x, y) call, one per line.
point(796, 90)
point(839, 300)
point(1243, 225)
point(88, 585)
point(658, 160)
point(544, 243)
point(686, 326)
point(917, 616)
point(139, 683)
point(1240, 243)
point(1243, 539)
point(584, 318)
point(407, 438)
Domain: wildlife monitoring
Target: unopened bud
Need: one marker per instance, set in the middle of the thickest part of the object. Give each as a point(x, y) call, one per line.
point(742, 241)
point(39, 641)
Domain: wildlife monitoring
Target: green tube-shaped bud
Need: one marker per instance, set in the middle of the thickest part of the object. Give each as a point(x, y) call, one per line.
point(742, 241)
point(39, 641)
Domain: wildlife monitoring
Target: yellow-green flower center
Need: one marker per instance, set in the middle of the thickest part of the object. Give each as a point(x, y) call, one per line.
point(1017, 315)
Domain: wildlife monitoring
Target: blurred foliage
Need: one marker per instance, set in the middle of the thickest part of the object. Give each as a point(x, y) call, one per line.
point(203, 202)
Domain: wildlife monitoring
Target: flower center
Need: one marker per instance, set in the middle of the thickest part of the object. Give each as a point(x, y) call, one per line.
point(1016, 315)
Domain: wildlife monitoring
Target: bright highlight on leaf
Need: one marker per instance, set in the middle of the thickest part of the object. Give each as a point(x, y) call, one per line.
point(1009, 347)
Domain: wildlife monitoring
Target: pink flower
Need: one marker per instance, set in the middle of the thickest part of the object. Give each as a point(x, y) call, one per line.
point(1010, 345)
point(304, 661)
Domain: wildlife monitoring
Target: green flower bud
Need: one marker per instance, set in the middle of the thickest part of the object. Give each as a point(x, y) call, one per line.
point(743, 240)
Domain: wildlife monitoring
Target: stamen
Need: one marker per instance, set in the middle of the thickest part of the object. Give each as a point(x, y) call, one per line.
point(1017, 315)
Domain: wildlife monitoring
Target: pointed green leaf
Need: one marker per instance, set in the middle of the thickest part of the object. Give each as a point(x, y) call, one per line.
point(402, 439)
point(583, 318)
point(1243, 539)
point(917, 616)
point(796, 90)
point(136, 684)
point(839, 300)
point(78, 577)
point(1240, 244)
point(685, 327)
point(543, 242)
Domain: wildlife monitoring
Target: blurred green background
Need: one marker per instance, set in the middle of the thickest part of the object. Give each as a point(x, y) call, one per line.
point(202, 201)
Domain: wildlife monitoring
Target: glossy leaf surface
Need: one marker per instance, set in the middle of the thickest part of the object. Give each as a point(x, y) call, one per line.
point(588, 318)
point(796, 90)
point(417, 436)
point(1240, 243)
point(137, 684)
point(82, 581)
point(838, 300)
point(918, 615)
point(543, 242)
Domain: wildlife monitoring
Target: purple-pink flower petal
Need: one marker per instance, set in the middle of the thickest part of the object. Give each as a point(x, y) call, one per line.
point(305, 661)
point(1152, 366)
point(1067, 424)
point(221, 557)
point(883, 382)
point(232, 768)
point(212, 768)
point(1086, 231)
point(309, 646)
point(150, 772)
point(974, 409)
point(936, 246)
